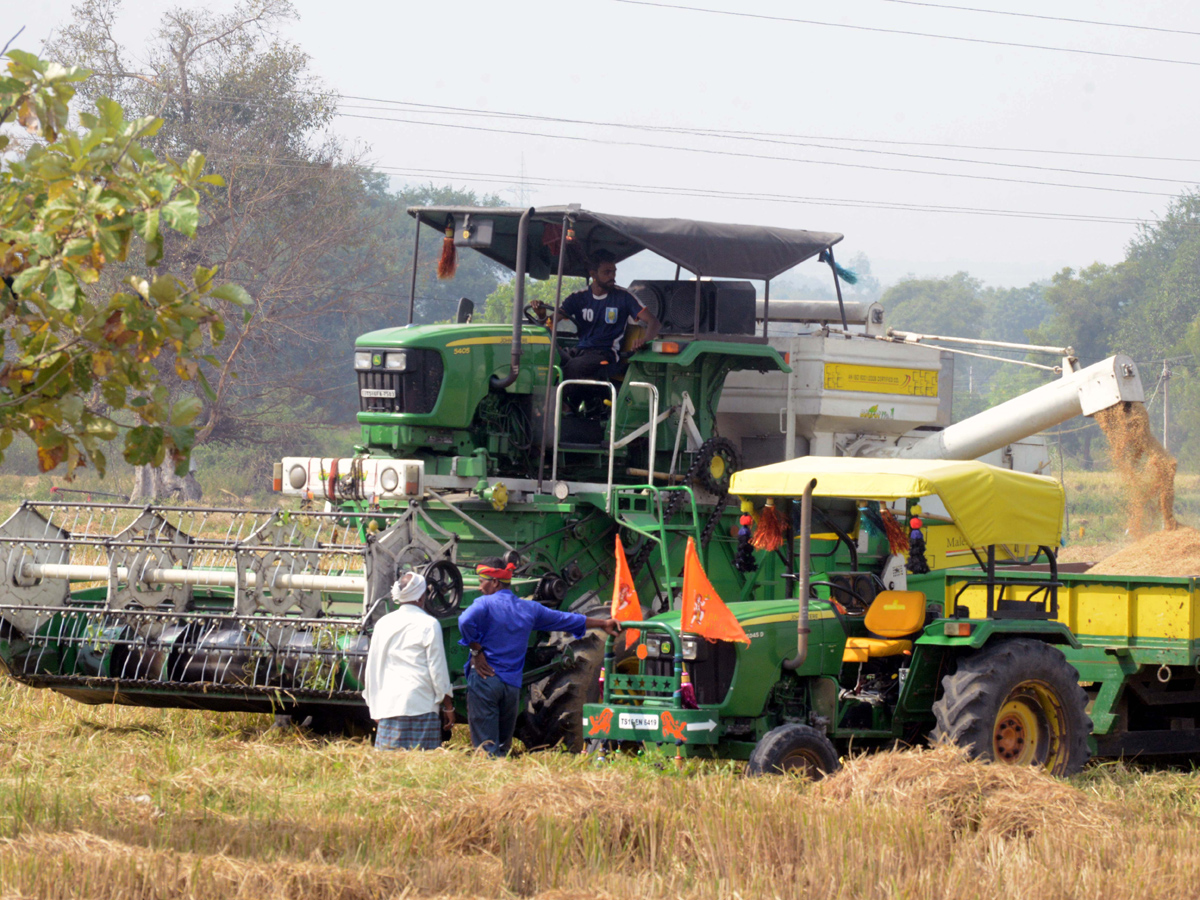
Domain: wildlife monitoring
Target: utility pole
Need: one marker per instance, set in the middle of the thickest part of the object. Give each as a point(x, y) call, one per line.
point(1166, 383)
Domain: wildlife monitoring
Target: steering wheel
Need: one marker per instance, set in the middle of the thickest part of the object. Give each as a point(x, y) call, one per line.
point(531, 316)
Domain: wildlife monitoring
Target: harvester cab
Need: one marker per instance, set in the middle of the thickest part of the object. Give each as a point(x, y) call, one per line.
point(902, 666)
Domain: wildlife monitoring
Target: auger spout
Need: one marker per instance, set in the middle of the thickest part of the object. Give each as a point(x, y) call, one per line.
point(1079, 392)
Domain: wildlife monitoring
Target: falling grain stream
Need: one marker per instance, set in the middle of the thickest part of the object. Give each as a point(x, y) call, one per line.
point(1147, 470)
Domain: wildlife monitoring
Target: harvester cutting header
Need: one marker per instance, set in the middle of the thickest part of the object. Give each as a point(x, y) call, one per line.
point(473, 445)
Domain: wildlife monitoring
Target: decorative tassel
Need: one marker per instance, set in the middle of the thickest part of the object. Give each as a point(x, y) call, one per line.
point(769, 534)
point(743, 558)
point(897, 539)
point(917, 564)
point(448, 263)
point(687, 693)
point(847, 275)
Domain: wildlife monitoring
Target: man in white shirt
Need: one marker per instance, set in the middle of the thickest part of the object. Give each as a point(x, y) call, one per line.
point(406, 678)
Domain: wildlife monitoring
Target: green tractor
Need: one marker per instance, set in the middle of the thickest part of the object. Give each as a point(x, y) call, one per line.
point(465, 453)
point(837, 668)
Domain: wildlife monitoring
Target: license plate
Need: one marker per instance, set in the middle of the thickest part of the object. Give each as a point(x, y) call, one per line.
point(639, 721)
point(381, 393)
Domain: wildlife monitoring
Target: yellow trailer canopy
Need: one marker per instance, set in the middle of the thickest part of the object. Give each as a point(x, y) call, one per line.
point(989, 505)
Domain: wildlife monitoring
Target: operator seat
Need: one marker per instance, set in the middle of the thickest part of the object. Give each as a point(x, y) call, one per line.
point(895, 616)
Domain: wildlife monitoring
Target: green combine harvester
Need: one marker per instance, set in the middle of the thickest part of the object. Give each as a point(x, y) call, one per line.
point(465, 453)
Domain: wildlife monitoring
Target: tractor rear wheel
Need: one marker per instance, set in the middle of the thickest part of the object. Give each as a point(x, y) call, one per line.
point(794, 748)
point(1017, 702)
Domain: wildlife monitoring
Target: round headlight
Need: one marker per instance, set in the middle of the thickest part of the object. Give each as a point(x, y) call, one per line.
point(297, 477)
point(389, 479)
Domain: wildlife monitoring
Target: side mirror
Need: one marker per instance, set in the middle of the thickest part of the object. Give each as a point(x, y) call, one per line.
point(466, 308)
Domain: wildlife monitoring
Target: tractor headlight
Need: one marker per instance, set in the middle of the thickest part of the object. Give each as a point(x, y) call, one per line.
point(362, 359)
point(653, 646)
point(389, 479)
point(691, 647)
point(396, 361)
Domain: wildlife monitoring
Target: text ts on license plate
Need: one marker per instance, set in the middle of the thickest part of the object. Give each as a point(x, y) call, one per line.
point(639, 721)
point(381, 393)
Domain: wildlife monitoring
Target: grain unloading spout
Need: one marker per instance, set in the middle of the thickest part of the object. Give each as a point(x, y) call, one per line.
point(1078, 392)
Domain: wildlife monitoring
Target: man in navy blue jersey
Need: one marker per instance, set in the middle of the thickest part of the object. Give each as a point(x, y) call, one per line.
point(600, 313)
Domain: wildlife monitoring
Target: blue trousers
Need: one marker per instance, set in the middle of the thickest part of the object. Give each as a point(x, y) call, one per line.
point(491, 712)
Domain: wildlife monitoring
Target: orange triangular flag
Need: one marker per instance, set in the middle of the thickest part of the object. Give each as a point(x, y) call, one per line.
point(704, 613)
point(626, 607)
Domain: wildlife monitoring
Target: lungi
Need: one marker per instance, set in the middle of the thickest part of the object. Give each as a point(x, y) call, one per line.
point(409, 732)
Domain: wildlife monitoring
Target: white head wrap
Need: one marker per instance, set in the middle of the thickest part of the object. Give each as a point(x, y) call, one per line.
point(411, 592)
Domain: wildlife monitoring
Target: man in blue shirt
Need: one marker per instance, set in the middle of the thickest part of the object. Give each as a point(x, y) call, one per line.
point(600, 313)
point(496, 627)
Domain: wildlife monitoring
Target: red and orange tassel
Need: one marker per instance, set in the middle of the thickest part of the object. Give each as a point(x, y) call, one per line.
point(897, 539)
point(448, 263)
point(769, 533)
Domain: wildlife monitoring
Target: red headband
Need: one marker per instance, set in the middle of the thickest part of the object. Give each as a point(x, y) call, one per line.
point(504, 574)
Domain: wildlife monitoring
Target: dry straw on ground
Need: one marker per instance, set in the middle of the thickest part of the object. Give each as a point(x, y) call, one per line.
point(1003, 801)
point(164, 804)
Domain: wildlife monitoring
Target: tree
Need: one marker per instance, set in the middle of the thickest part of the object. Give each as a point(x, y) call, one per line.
point(949, 306)
point(82, 363)
point(498, 307)
point(294, 222)
point(319, 240)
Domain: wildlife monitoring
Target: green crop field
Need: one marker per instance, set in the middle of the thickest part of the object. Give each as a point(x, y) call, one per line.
point(127, 803)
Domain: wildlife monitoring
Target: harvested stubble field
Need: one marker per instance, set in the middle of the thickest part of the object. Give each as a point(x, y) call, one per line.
point(127, 803)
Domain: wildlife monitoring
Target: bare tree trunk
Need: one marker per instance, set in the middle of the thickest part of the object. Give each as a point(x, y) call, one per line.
point(161, 483)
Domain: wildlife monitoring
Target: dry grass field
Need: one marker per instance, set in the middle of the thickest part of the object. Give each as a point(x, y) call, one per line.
point(147, 804)
point(128, 803)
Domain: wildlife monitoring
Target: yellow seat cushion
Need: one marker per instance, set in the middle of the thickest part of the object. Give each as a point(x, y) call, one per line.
point(860, 649)
point(896, 614)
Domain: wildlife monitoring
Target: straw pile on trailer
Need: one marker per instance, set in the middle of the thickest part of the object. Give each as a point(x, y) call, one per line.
point(1167, 553)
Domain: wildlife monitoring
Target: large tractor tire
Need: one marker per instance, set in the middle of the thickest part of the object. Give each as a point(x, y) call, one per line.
point(554, 714)
point(1017, 702)
point(794, 748)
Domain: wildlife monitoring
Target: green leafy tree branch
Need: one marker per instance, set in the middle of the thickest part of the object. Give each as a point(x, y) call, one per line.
point(78, 361)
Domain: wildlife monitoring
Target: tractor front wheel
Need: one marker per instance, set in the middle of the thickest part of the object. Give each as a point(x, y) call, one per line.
point(794, 748)
point(1017, 702)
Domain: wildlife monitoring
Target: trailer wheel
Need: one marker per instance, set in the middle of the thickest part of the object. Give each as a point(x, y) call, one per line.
point(794, 748)
point(1017, 702)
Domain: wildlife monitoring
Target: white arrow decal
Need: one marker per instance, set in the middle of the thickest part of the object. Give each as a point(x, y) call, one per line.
point(701, 726)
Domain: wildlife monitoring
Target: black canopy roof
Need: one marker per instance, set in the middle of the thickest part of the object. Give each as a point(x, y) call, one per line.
point(713, 249)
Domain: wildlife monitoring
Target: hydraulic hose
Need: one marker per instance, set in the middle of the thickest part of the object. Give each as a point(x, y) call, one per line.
point(499, 384)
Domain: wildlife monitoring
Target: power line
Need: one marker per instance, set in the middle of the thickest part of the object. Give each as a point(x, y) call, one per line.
point(1005, 12)
point(712, 193)
point(924, 34)
point(756, 137)
point(759, 156)
point(737, 133)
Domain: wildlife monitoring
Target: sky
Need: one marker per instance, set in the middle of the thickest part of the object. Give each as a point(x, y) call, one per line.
point(823, 124)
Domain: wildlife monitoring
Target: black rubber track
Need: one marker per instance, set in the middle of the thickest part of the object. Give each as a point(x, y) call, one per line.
point(780, 743)
point(975, 691)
